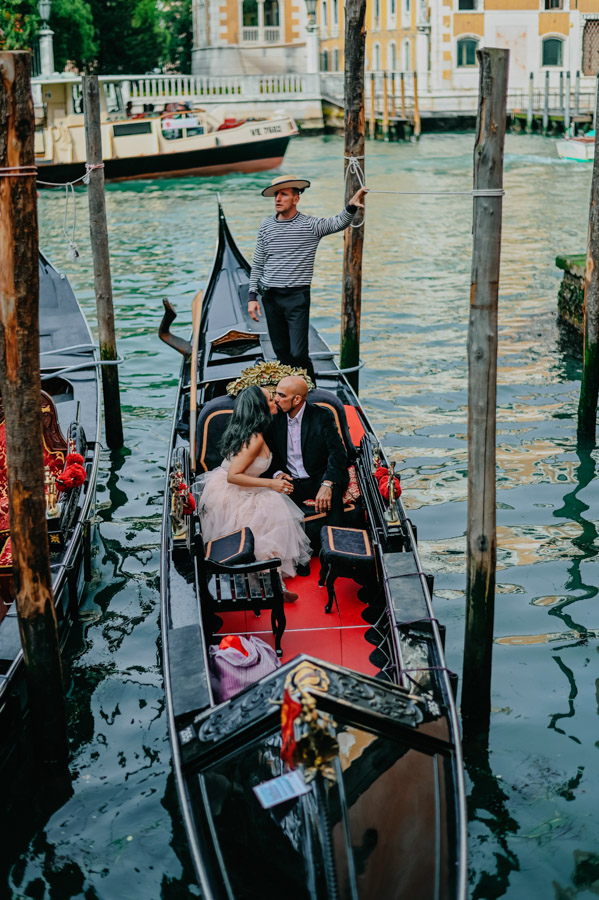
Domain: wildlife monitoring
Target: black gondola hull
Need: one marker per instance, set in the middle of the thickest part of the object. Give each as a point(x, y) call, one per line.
point(392, 824)
point(76, 397)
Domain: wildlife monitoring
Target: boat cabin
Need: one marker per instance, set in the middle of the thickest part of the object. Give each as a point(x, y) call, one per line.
point(60, 126)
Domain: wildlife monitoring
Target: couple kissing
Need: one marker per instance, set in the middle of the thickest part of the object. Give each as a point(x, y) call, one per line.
point(278, 451)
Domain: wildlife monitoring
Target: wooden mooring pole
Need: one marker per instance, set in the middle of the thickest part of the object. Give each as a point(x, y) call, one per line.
point(546, 105)
point(589, 387)
point(530, 109)
point(482, 386)
point(355, 125)
point(101, 257)
point(385, 108)
point(372, 120)
point(20, 386)
point(416, 107)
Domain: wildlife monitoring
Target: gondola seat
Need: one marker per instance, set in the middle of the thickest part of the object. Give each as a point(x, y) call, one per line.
point(213, 419)
point(55, 454)
point(345, 552)
point(232, 580)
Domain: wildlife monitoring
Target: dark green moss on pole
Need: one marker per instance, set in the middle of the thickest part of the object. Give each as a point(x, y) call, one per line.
point(589, 387)
point(570, 297)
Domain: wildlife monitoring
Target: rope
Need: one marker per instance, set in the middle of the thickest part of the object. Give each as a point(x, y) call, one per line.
point(73, 251)
point(17, 171)
point(89, 167)
point(354, 168)
point(48, 371)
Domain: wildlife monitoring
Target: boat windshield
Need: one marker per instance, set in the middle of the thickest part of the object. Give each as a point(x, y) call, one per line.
point(376, 830)
point(114, 97)
point(181, 124)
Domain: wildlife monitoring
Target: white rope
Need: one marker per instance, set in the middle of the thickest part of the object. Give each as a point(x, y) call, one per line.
point(354, 168)
point(69, 187)
point(17, 171)
point(89, 167)
point(56, 372)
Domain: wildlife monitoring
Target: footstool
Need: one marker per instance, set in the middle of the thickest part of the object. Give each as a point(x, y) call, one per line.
point(346, 553)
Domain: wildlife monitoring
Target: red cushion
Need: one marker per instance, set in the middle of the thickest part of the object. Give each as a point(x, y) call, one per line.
point(356, 429)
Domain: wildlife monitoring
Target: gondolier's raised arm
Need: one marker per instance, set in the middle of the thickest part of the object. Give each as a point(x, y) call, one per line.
point(283, 266)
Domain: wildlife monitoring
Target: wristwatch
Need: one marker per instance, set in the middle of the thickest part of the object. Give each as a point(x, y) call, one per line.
point(328, 484)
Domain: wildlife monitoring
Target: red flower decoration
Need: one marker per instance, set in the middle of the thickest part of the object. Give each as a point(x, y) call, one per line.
point(189, 506)
point(72, 476)
point(382, 476)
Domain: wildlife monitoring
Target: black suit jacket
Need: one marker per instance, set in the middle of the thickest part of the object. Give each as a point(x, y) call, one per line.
point(323, 452)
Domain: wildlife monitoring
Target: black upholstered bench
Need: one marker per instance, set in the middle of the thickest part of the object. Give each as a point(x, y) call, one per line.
point(232, 580)
point(347, 553)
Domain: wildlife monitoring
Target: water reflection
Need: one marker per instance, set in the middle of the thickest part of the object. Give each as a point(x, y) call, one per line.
point(119, 834)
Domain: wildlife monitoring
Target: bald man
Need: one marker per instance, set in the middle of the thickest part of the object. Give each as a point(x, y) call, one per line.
point(307, 450)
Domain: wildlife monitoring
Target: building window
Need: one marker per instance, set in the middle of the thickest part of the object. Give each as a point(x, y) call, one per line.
point(466, 5)
point(271, 12)
point(405, 57)
point(467, 53)
point(554, 4)
point(392, 56)
point(335, 60)
point(250, 14)
point(590, 47)
point(406, 16)
point(392, 9)
point(552, 52)
point(324, 18)
point(376, 57)
point(324, 61)
point(377, 14)
point(335, 14)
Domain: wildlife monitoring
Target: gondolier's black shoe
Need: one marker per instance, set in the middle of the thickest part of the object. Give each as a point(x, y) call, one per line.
point(303, 570)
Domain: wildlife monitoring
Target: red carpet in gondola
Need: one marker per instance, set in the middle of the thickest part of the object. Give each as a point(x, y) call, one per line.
point(336, 638)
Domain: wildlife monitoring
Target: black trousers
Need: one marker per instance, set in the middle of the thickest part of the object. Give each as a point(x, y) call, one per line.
point(288, 317)
point(307, 489)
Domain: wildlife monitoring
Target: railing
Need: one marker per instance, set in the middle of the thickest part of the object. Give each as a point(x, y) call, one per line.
point(461, 101)
point(163, 89)
point(272, 34)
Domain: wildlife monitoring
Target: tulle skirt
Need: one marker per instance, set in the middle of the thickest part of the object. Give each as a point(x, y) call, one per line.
point(275, 520)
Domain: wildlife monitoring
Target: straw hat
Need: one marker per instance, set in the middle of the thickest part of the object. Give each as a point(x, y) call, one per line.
point(285, 181)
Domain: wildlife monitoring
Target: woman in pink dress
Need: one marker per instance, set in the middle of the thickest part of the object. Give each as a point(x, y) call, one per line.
point(235, 495)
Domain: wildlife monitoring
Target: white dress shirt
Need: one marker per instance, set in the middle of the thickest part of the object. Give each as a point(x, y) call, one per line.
point(295, 461)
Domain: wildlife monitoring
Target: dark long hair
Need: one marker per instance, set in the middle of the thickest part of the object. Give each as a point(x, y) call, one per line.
point(250, 416)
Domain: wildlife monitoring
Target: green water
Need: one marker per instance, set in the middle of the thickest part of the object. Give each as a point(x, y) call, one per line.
point(532, 800)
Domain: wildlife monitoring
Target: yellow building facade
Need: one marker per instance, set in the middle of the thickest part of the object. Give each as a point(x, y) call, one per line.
point(439, 38)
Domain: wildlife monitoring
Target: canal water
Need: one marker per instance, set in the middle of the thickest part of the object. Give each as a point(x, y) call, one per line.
point(533, 821)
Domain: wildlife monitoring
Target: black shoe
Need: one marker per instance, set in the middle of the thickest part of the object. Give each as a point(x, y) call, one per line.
point(303, 570)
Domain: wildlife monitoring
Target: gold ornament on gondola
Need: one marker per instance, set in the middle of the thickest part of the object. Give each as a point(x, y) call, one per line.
point(318, 747)
point(266, 375)
point(376, 459)
point(51, 491)
point(391, 511)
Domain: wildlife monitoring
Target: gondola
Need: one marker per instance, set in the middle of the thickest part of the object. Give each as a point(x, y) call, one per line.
point(70, 413)
point(362, 795)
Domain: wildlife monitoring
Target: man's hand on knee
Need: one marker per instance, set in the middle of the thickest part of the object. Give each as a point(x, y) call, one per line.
point(323, 499)
point(254, 310)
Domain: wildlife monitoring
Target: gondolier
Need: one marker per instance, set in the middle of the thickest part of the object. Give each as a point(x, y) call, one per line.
point(283, 266)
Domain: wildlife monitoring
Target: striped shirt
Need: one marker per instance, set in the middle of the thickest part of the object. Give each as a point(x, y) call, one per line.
point(286, 248)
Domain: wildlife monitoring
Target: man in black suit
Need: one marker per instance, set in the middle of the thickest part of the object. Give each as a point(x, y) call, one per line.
point(307, 450)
